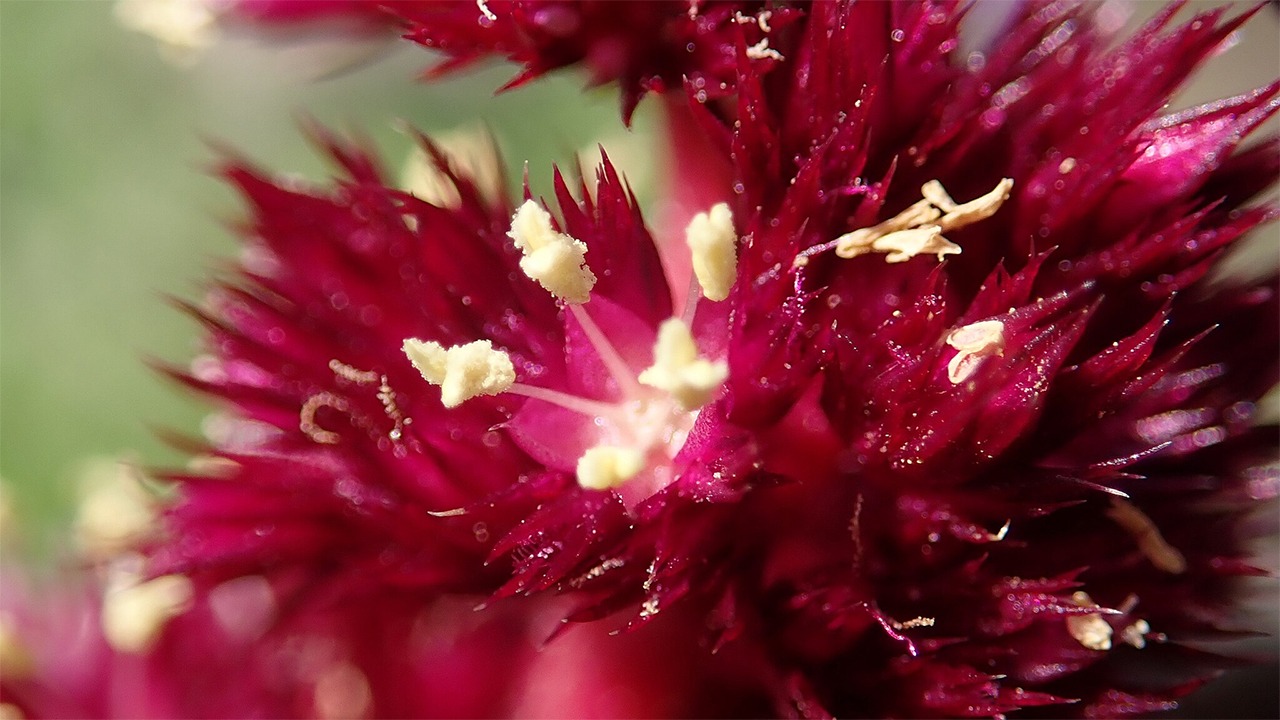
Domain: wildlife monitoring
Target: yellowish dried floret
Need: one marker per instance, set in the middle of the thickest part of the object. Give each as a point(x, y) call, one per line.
point(470, 153)
point(981, 208)
point(115, 510)
point(1136, 634)
point(608, 466)
point(712, 241)
point(976, 342)
point(462, 371)
point(134, 614)
point(678, 370)
point(1145, 533)
point(554, 260)
point(182, 26)
point(1091, 630)
point(918, 229)
point(15, 657)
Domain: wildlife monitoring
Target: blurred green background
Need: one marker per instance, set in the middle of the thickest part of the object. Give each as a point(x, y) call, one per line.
point(108, 206)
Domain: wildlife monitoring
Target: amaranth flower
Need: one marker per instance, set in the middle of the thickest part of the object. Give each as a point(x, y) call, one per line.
point(939, 415)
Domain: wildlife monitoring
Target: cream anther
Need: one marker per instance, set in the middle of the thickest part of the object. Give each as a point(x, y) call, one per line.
point(713, 243)
point(678, 370)
point(462, 371)
point(1089, 630)
point(918, 229)
point(607, 466)
point(134, 614)
point(556, 261)
point(976, 342)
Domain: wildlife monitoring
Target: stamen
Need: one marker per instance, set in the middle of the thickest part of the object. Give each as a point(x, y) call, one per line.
point(591, 408)
point(617, 367)
point(918, 229)
point(678, 370)
point(1145, 533)
point(134, 615)
point(1089, 630)
point(976, 342)
point(606, 466)
point(462, 371)
point(712, 240)
point(556, 261)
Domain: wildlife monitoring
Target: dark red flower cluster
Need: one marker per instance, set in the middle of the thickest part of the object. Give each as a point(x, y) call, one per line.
point(940, 413)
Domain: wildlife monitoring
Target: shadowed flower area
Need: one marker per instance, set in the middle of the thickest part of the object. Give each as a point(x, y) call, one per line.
point(917, 397)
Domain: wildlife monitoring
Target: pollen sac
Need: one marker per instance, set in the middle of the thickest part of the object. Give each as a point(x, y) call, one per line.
point(462, 371)
point(606, 466)
point(678, 370)
point(976, 342)
point(554, 260)
point(134, 614)
point(712, 241)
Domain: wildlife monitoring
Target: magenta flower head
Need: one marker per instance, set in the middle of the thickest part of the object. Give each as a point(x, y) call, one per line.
point(928, 405)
